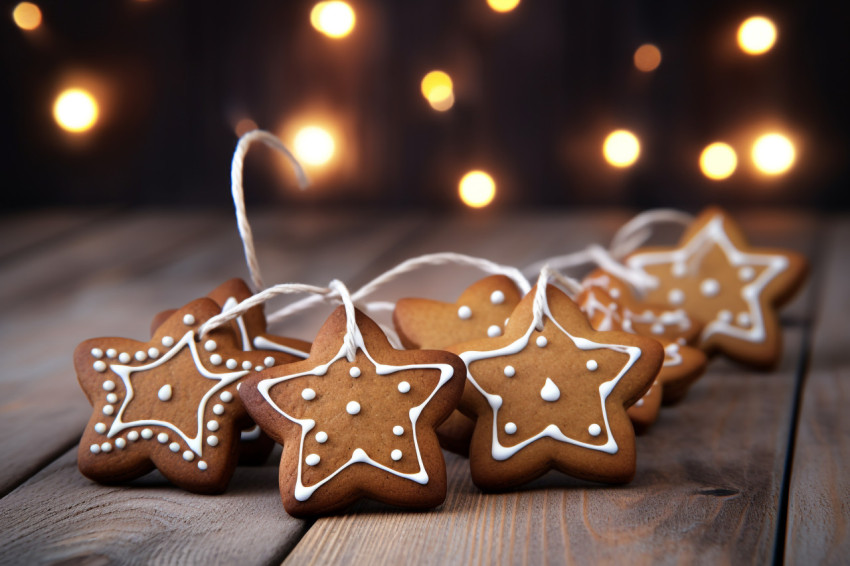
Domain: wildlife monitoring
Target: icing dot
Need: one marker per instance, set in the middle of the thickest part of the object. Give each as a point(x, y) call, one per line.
point(308, 394)
point(210, 345)
point(404, 387)
point(141, 355)
point(153, 352)
point(167, 341)
point(108, 385)
point(97, 352)
point(246, 365)
point(174, 447)
point(188, 320)
point(100, 427)
point(321, 437)
point(724, 316)
point(494, 330)
point(639, 403)
point(594, 429)
point(676, 297)
point(550, 391)
point(352, 408)
point(215, 360)
point(147, 434)
point(592, 365)
point(398, 430)
point(510, 428)
point(202, 465)
point(497, 297)
point(312, 459)
point(395, 455)
point(259, 368)
point(268, 362)
point(188, 455)
point(709, 287)
point(133, 435)
point(657, 328)
point(212, 440)
point(218, 409)
point(111, 353)
point(226, 396)
point(164, 393)
point(106, 447)
point(100, 366)
point(615, 293)
point(162, 438)
point(95, 448)
point(112, 398)
point(120, 443)
point(679, 269)
point(510, 371)
point(746, 273)
point(354, 372)
point(124, 358)
point(743, 319)
point(464, 312)
point(108, 410)
point(231, 363)
point(541, 341)
point(212, 425)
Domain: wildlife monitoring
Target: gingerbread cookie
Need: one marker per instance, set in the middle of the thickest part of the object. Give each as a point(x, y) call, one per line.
point(170, 403)
point(732, 287)
point(551, 393)
point(683, 364)
point(645, 411)
point(357, 418)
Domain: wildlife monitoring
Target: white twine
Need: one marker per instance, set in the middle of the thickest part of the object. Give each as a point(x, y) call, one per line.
point(538, 307)
point(636, 231)
point(238, 192)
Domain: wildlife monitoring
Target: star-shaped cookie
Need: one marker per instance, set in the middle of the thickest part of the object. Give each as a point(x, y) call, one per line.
point(732, 287)
point(554, 398)
point(169, 403)
point(357, 428)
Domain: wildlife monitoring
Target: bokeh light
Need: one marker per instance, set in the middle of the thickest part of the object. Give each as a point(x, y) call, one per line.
point(647, 57)
point(718, 161)
point(314, 145)
point(773, 154)
point(334, 19)
point(756, 35)
point(503, 5)
point(75, 110)
point(27, 16)
point(438, 90)
point(477, 189)
point(621, 148)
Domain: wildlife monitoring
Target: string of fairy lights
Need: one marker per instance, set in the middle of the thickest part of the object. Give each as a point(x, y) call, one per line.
point(76, 109)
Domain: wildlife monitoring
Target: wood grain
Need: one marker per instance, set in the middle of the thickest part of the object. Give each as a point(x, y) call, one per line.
point(819, 494)
point(26, 232)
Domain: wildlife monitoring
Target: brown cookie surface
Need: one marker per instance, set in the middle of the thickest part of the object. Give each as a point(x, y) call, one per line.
point(645, 411)
point(169, 403)
point(554, 396)
point(732, 287)
point(361, 427)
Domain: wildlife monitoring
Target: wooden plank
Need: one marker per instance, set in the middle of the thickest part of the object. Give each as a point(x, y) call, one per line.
point(706, 491)
point(59, 516)
point(25, 231)
point(819, 494)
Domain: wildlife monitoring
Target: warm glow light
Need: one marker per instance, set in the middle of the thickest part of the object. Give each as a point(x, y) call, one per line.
point(503, 5)
point(718, 161)
point(75, 110)
point(334, 19)
point(477, 189)
point(442, 98)
point(773, 154)
point(27, 16)
point(647, 57)
point(314, 145)
point(756, 35)
point(621, 148)
point(244, 126)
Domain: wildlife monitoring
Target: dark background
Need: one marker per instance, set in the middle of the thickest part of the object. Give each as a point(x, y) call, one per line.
point(537, 90)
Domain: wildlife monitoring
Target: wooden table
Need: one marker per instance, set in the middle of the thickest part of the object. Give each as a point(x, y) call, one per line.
point(752, 467)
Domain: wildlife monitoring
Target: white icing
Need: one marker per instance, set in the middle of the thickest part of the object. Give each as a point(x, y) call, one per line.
point(398, 430)
point(188, 455)
point(212, 425)
point(746, 273)
point(167, 341)
point(133, 435)
point(352, 408)
point(95, 448)
point(112, 398)
point(215, 360)
point(106, 447)
point(679, 269)
point(210, 345)
point(124, 358)
point(541, 341)
point(268, 361)
point(676, 297)
point(147, 434)
point(108, 385)
point(494, 330)
point(111, 353)
point(259, 368)
point(108, 410)
point(174, 447)
point(308, 394)
point(594, 429)
point(262, 343)
point(141, 356)
point(120, 443)
point(218, 409)
point(231, 364)
point(226, 396)
point(510, 371)
point(657, 328)
point(672, 355)
point(188, 320)
point(97, 353)
point(212, 440)
point(99, 366)
point(153, 353)
point(312, 459)
point(100, 427)
point(510, 428)
point(497, 297)
point(725, 316)
point(247, 365)
point(165, 393)
point(162, 438)
point(251, 434)
point(709, 287)
point(464, 312)
point(395, 455)
point(592, 365)
point(321, 437)
point(404, 387)
point(354, 372)
point(550, 391)
point(743, 319)
point(614, 292)
point(202, 465)
point(639, 402)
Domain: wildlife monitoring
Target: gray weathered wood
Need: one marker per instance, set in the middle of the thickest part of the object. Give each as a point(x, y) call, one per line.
point(819, 496)
point(24, 231)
